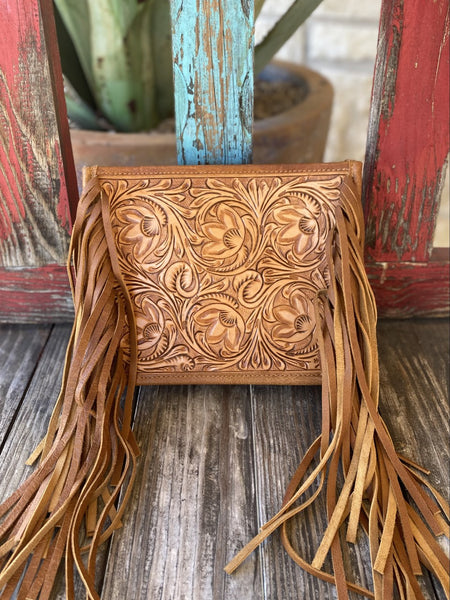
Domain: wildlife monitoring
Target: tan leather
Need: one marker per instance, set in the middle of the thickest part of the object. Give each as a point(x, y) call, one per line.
point(223, 265)
point(225, 275)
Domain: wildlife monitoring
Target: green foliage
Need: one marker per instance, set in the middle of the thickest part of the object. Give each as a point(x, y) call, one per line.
point(117, 60)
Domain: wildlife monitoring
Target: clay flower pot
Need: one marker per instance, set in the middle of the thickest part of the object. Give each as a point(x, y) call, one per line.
point(296, 135)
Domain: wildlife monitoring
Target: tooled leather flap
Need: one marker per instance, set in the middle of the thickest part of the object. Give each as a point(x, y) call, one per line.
point(223, 265)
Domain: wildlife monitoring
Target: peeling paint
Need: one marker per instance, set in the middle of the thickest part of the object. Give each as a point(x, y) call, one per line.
point(217, 126)
point(406, 159)
point(34, 211)
point(406, 289)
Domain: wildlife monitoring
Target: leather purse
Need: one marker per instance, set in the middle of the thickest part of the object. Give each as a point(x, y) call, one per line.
point(223, 265)
point(208, 274)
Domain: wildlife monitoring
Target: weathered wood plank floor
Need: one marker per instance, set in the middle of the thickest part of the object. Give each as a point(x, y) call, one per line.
point(215, 462)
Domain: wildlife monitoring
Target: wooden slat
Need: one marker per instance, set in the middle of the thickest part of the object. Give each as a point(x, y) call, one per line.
point(37, 175)
point(414, 384)
point(414, 391)
point(215, 462)
point(20, 349)
point(33, 413)
point(414, 358)
point(408, 143)
point(409, 136)
point(406, 289)
point(212, 43)
point(193, 501)
point(35, 295)
point(186, 437)
point(31, 420)
point(286, 422)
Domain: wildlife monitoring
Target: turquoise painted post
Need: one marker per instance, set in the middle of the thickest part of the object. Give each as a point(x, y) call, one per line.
point(212, 43)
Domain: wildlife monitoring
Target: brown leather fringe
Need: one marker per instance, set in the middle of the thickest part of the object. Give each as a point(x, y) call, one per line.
point(401, 527)
point(67, 507)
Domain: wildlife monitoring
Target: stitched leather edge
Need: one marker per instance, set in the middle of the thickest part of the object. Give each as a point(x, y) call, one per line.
point(227, 378)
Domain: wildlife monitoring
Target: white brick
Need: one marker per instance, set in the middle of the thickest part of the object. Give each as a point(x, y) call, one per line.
point(352, 9)
point(340, 41)
point(293, 49)
point(275, 7)
point(350, 116)
point(347, 9)
point(262, 26)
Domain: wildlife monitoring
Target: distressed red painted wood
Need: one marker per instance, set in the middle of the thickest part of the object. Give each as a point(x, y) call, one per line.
point(407, 149)
point(406, 289)
point(32, 295)
point(37, 176)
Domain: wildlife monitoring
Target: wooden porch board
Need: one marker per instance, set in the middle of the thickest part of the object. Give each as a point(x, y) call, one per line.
point(30, 373)
point(34, 402)
point(193, 503)
point(216, 460)
point(22, 344)
point(286, 420)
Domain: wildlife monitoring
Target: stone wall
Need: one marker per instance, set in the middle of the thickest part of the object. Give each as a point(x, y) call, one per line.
point(339, 40)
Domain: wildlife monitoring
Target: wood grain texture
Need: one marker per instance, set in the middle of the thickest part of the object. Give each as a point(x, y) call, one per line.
point(45, 383)
point(34, 209)
point(212, 46)
point(286, 422)
point(37, 173)
point(167, 557)
point(35, 295)
point(31, 421)
point(406, 289)
point(408, 138)
point(216, 460)
point(37, 378)
point(414, 401)
point(414, 359)
point(20, 348)
point(191, 507)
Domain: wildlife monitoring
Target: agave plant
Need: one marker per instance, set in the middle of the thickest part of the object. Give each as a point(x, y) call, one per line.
point(117, 60)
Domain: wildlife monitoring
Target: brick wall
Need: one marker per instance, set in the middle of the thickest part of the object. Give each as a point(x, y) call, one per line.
point(339, 40)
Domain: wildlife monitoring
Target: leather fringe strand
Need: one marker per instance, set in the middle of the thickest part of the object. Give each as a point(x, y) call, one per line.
point(401, 527)
point(67, 507)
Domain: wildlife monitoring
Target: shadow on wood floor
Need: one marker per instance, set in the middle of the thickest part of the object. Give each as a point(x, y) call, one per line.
point(215, 463)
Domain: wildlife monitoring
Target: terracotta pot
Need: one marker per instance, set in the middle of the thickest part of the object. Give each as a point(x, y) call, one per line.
point(295, 135)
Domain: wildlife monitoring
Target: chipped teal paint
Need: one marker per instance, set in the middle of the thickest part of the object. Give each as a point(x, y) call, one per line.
point(212, 43)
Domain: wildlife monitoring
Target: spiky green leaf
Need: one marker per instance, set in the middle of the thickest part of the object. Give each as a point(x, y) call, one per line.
point(285, 27)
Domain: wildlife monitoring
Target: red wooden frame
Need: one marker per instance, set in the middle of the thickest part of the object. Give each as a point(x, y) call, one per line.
point(37, 175)
point(407, 147)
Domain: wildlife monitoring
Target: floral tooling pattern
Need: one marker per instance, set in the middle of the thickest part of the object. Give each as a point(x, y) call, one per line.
point(224, 273)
